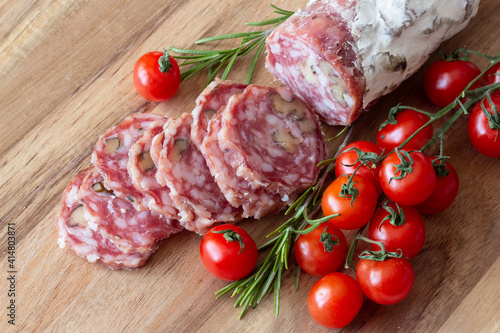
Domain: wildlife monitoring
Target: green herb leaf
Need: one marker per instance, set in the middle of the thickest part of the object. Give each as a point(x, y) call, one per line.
point(391, 118)
point(327, 240)
point(396, 218)
point(232, 236)
point(215, 60)
point(405, 167)
point(164, 62)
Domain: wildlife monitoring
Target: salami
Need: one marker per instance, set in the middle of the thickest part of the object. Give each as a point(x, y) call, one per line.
point(110, 156)
point(183, 169)
point(210, 101)
point(73, 230)
point(272, 140)
point(117, 220)
point(254, 202)
point(142, 171)
point(340, 56)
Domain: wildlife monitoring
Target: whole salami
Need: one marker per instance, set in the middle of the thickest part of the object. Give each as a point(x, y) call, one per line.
point(340, 56)
point(73, 229)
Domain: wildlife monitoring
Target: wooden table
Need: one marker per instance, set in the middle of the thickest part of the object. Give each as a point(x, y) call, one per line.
point(66, 77)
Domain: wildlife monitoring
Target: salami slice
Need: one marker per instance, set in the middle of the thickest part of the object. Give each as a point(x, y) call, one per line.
point(117, 220)
point(341, 56)
point(156, 148)
point(254, 202)
point(210, 101)
point(142, 171)
point(73, 230)
point(110, 156)
point(272, 140)
point(183, 169)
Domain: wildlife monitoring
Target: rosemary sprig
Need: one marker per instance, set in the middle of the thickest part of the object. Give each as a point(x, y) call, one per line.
point(215, 60)
point(267, 276)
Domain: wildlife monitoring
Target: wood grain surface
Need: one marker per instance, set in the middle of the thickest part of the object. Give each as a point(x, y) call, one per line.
point(66, 77)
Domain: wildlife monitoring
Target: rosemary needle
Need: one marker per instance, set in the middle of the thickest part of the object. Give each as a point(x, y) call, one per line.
point(216, 60)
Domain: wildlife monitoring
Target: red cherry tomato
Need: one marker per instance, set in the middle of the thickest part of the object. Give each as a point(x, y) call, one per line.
point(445, 80)
point(334, 300)
point(408, 122)
point(444, 194)
point(152, 83)
point(408, 237)
point(493, 76)
point(353, 214)
point(416, 186)
point(319, 256)
point(385, 282)
point(228, 260)
point(485, 139)
point(347, 158)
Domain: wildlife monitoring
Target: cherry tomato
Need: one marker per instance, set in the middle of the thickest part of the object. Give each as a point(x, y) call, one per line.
point(152, 83)
point(483, 137)
point(228, 256)
point(334, 300)
point(493, 76)
point(444, 194)
point(408, 237)
point(347, 158)
point(408, 122)
point(322, 250)
point(445, 80)
point(385, 282)
point(353, 213)
point(417, 184)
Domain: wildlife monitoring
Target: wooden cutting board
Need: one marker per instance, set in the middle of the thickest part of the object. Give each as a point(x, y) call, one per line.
point(66, 77)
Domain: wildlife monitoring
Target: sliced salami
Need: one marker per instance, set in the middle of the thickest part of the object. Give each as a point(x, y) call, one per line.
point(73, 230)
point(110, 156)
point(210, 101)
point(341, 56)
point(117, 220)
point(183, 169)
point(156, 147)
point(254, 202)
point(142, 170)
point(272, 140)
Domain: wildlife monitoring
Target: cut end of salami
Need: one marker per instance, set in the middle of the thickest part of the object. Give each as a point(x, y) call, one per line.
point(313, 54)
point(341, 56)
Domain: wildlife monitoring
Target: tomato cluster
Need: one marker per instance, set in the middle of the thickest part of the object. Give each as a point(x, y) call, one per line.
point(413, 183)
